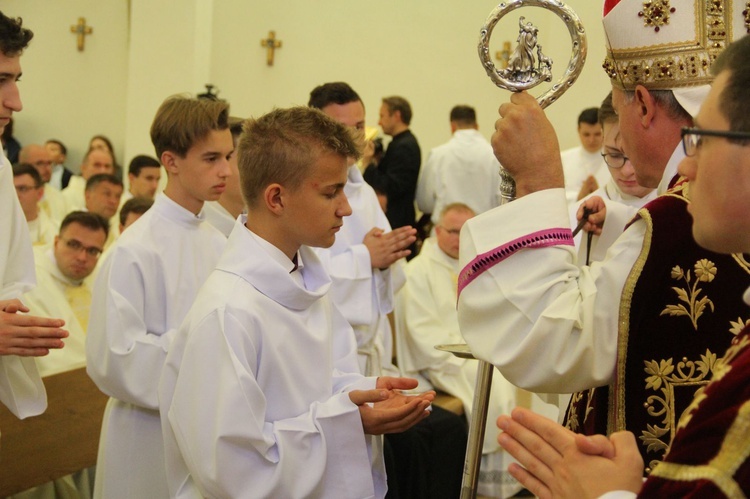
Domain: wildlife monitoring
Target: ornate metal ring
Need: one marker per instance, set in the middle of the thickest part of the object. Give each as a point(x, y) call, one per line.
point(526, 70)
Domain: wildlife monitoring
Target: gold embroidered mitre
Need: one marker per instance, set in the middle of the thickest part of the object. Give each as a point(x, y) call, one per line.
point(669, 44)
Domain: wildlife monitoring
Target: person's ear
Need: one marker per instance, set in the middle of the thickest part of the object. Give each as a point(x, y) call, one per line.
point(646, 105)
point(273, 197)
point(169, 160)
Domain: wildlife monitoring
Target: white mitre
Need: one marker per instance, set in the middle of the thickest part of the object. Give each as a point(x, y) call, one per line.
point(670, 44)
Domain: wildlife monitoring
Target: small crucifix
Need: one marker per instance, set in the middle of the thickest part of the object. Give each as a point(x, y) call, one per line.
point(81, 30)
point(270, 44)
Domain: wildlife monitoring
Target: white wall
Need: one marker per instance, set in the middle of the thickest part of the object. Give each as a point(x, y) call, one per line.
point(424, 50)
point(67, 94)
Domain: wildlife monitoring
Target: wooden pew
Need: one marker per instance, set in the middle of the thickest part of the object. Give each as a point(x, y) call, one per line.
point(59, 442)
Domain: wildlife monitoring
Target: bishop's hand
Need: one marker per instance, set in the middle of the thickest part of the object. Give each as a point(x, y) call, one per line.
point(526, 145)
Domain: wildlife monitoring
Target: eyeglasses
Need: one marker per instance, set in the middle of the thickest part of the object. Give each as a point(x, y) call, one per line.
point(692, 141)
point(452, 232)
point(75, 245)
point(23, 189)
point(615, 159)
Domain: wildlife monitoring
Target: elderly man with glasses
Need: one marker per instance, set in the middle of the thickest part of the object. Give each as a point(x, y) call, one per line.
point(633, 336)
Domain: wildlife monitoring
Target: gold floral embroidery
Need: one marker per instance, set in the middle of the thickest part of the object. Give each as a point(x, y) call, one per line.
point(746, 15)
point(664, 377)
point(705, 271)
point(738, 326)
point(721, 368)
point(656, 13)
point(573, 424)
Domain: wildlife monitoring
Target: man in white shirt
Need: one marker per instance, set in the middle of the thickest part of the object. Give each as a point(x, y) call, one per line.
point(145, 288)
point(94, 162)
point(52, 202)
point(21, 336)
point(463, 170)
point(619, 325)
point(29, 188)
point(261, 395)
point(63, 290)
point(583, 166)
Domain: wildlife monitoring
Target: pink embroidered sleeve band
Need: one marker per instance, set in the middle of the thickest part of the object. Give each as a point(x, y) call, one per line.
point(540, 239)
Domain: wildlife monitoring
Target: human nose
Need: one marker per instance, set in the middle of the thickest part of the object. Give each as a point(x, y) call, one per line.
point(345, 209)
point(688, 167)
point(12, 98)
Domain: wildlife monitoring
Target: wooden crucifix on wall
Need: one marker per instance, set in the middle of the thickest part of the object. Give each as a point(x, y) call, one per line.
point(270, 44)
point(81, 30)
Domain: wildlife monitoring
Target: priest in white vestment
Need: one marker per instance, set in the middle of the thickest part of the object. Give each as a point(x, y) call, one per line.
point(261, 395)
point(463, 170)
point(94, 162)
point(52, 202)
point(426, 317)
point(63, 289)
point(29, 188)
point(144, 290)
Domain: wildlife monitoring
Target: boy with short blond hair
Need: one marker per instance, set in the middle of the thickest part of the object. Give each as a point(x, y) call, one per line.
point(261, 395)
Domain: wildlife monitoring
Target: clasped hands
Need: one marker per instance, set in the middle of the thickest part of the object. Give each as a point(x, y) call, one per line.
point(555, 462)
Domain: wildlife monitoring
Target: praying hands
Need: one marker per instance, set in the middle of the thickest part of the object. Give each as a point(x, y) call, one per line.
point(555, 462)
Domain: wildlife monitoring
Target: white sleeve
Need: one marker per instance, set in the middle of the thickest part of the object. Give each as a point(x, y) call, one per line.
point(21, 387)
point(233, 448)
point(422, 326)
point(546, 324)
point(124, 359)
point(426, 192)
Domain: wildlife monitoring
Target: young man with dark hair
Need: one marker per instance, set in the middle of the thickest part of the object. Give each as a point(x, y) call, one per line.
point(21, 336)
point(132, 210)
point(58, 154)
point(144, 174)
point(261, 395)
point(583, 166)
point(145, 288)
point(397, 173)
point(366, 268)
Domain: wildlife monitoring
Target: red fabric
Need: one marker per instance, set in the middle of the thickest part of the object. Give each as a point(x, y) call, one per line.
point(609, 5)
point(701, 439)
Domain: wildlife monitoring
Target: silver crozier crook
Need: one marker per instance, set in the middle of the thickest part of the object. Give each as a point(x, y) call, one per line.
point(527, 67)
